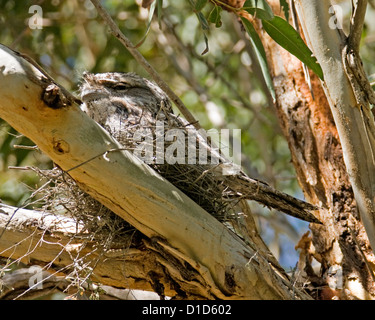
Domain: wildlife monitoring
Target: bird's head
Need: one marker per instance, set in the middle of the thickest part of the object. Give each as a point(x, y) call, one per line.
point(112, 85)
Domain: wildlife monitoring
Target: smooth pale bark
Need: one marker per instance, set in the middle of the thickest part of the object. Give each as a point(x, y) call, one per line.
point(230, 269)
point(42, 238)
point(356, 129)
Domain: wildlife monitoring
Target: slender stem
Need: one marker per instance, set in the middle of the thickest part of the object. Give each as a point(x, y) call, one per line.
point(223, 4)
point(356, 23)
point(115, 30)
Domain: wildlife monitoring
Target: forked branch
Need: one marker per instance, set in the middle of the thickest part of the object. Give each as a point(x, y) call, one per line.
point(115, 177)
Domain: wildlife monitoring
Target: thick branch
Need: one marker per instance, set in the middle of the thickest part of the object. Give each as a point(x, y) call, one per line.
point(228, 267)
point(354, 122)
point(44, 238)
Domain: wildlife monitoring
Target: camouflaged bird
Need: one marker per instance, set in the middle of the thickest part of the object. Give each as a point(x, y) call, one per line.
point(126, 105)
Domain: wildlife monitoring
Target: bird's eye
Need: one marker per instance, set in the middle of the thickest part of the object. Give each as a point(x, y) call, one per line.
point(120, 86)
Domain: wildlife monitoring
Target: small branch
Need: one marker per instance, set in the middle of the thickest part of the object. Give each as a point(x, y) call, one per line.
point(356, 23)
point(31, 148)
point(115, 30)
point(19, 168)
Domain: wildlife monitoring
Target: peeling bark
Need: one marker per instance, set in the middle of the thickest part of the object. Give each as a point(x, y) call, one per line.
point(317, 156)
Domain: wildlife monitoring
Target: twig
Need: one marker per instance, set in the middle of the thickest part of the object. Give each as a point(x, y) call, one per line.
point(17, 146)
point(18, 168)
point(115, 30)
point(356, 23)
point(352, 63)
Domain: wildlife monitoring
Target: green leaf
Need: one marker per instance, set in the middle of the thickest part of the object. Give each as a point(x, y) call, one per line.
point(260, 53)
point(203, 21)
point(150, 15)
point(259, 9)
point(284, 4)
point(199, 4)
point(215, 16)
point(205, 26)
point(287, 37)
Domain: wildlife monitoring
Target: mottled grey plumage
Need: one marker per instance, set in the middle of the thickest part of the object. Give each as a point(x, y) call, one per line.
point(125, 102)
point(117, 100)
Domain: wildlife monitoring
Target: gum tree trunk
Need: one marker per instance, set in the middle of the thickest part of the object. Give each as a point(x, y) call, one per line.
point(340, 244)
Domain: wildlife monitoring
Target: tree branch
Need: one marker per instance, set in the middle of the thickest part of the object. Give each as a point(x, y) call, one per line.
point(224, 266)
point(55, 242)
point(356, 23)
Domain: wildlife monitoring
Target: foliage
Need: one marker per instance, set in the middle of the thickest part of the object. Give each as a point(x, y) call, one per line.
point(198, 47)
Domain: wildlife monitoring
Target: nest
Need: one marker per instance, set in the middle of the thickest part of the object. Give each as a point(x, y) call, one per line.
point(201, 182)
point(62, 196)
point(139, 115)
